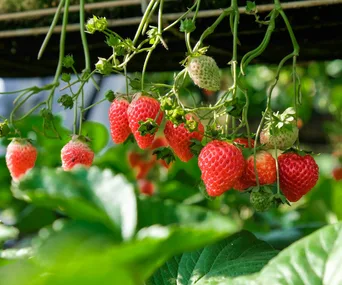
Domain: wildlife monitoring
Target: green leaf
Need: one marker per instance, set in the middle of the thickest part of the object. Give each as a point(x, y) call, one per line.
point(92, 195)
point(237, 255)
point(315, 259)
point(98, 134)
point(7, 232)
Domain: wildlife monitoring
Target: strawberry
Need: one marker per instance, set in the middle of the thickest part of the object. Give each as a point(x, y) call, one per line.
point(261, 200)
point(265, 166)
point(243, 183)
point(75, 152)
point(297, 175)
point(280, 130)
point(134, 159)
point(179, 137)
point(118, 120)
point(244, 142)
point(145, 187)
point(221, 164)
point(337, 173)
point(204, 72)
point(141, 110)
point(21, 156)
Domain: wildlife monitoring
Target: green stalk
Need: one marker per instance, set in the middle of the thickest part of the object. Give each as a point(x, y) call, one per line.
point(61, 53)
point(143, 21)
point(212, 28)
point(84, 37)
point(51, 29)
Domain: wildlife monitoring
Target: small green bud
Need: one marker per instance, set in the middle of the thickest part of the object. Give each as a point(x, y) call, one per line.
point(68, 61)
point(96, 24)
point(166, 104)
point(4, 129)
point(66, 77)
point(66, 101)
point(187, 26)
point(109, 95)
point(191, 124)
point(103, 66)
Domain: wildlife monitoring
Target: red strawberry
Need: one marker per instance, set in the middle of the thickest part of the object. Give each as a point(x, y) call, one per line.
point(21, 156)
point(266, 168)
point(221, 164)
point(337, 173)
point(145, 187)
point(118, 120)
point(134, 158)
point(141, 109)
point(144, 168)
point(179, 137)
point(243, 183)
point(75, 152)
point(244, 142)
point(297, 175)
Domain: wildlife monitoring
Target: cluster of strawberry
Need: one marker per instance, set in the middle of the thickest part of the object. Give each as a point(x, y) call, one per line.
point(222, 163)
point(21, 155)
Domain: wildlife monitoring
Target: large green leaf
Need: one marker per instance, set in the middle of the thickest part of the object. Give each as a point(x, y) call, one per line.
point(315, 259)
point(237, 255)
point(92, 194)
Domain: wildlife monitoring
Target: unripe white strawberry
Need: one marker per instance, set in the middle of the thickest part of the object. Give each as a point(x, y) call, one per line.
point(204, 72)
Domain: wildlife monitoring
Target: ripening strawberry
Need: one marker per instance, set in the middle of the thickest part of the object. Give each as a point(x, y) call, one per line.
point(265, 166)
point(118, 120)
point(221, 164)
point(244, 142)
point(145, 187)
point(297, 175)
point(204, 72)
point(141, 109)
point(283, 139)
point(337, 173)
point(280, 130)
point(76, 152)
point(21, 156)
point(179, 137)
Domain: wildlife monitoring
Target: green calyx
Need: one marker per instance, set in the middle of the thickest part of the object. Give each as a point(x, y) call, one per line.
point(66, 101)
point(4, 129)
point(109, 95)
point(148, 127)
point(68, 61)
point(276, 122)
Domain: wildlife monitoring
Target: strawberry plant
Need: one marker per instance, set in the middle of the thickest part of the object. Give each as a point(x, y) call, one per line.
point(160, 206)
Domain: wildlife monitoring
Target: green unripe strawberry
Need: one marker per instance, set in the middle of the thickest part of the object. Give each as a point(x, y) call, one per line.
point(204, 72)
point(261, 200)
point(280, 130)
